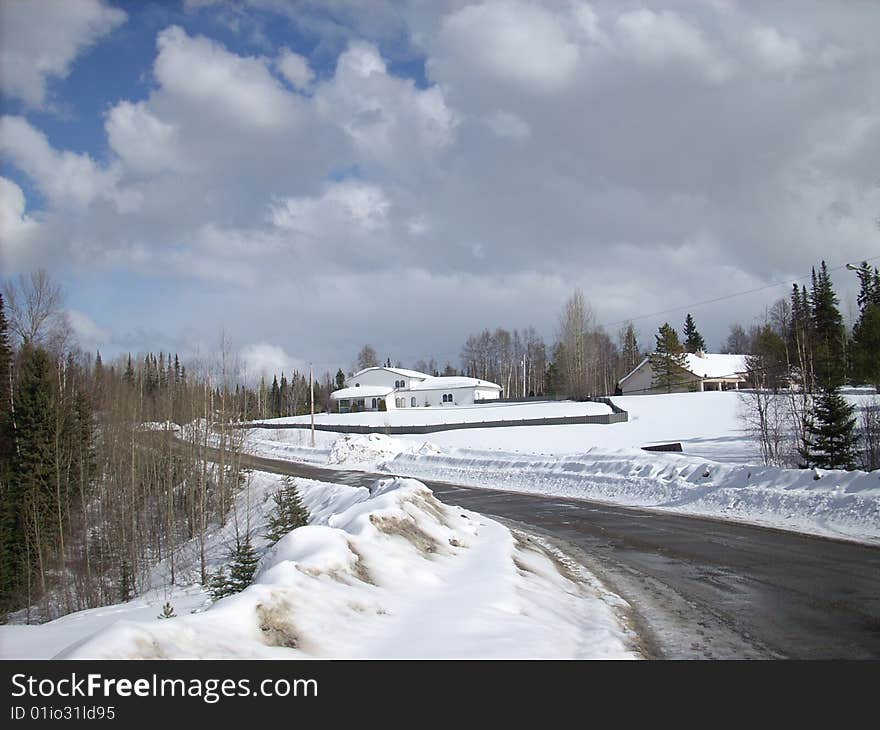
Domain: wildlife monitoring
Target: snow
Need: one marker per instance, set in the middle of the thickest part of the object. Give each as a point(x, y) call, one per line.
point(716, 366)
point(397, 371)
point(605, 463)
point(380, 573)
point(421, 416)
point(451, 382)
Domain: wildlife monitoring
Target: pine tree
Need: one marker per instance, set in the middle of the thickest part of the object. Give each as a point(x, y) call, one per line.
point(830, 335)
point(274, 398)
point(340, 379)
point(289, 512)
point(693, 340)
point(244, 564)
point(630, 354)
point(668, 361)
point(167, 611)
point(866, 331)
point(10, 530)
point(830, 440)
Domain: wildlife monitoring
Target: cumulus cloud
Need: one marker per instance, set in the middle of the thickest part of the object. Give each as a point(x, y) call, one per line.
point(295, 68)
point(510, 41)
point(262, 359)
point(649, 155)
point(16, 227)
point(35, 49)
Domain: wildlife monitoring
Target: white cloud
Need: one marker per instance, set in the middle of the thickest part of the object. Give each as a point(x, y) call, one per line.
point(263, 359)
point(40, 39)
point(144, 142)
point(774, 51)
point(87, 331)
point(511, 41)
point(346, 208)
point(295, 68)
point(661, 38)
point(67, 178)
point(16, 227)
point(214, 80)
point(509, 125)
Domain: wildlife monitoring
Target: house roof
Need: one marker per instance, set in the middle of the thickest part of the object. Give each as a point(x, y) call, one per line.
point(443, 382)
point(397, 371)
point(706, 366)
point(362, 391)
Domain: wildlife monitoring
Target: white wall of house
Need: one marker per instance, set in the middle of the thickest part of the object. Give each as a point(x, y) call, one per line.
point(381, 377)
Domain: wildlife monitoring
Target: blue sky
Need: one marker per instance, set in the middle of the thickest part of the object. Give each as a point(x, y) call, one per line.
point(308, 177)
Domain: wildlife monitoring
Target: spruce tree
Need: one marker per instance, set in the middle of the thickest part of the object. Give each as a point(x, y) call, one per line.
point(830, 440)
point(244, 564)
point(630, 353)
point(693, 340)
point(10, 530)
point(668, 361)
point(866, 331)
point(289, 512)
point(340, 379)
point(829, 332)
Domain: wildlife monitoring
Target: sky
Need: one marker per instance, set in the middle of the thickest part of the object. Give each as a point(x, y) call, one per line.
point(307, 177)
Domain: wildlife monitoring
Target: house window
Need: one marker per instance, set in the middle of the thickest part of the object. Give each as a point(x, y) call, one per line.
point(412, 402)
point(374, 404)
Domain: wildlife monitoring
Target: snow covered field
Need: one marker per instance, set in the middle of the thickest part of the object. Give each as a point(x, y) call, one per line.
point(387, 573)
point(716, 475)
point(454, 414)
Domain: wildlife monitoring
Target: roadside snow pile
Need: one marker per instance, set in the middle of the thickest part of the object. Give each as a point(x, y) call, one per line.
point(290, 444)
point(364, 449)
point(836, 504)
point(392, 573)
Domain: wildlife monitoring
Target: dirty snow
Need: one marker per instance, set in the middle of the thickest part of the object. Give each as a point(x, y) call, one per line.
point(388, 573)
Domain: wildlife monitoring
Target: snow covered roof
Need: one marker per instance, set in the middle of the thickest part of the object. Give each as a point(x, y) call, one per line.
point(716, 366)
point(706, 365)
point(442, 383)
point(396, 371)
point(362, 391)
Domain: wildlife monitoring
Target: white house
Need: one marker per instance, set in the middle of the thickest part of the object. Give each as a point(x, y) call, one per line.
point(703, 372)
point(399, 388)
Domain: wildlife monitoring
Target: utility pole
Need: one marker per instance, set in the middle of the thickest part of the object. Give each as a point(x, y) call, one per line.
point(312, 396)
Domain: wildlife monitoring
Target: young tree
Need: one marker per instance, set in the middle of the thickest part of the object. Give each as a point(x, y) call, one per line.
point(693, 340)
point(289, 512)
point(668, 361)
point(830, 440)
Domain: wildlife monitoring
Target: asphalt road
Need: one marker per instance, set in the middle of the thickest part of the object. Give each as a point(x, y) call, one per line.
point(698, 588)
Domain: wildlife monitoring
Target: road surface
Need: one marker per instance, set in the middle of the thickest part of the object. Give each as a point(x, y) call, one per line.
point(699, 588)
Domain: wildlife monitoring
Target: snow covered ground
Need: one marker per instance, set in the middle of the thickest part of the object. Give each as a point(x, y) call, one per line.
point(716, 475)
point(421, 416)
point(390, 572)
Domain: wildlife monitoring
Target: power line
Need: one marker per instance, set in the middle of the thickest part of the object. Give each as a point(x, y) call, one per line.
point(694, 305)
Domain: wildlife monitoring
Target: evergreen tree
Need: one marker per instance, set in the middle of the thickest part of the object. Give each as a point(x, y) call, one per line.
point(668, 361)
point(31, 488)
point(830, 335)
point(866, 346)
point(340, 379)
point(10, 527)
point(630, 354)
point(693, 340)
point(866, 331)
point(289, 512)
point(274, 398)
point(244, 564)
point(830, 440)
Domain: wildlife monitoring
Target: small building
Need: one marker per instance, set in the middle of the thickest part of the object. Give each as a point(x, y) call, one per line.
point(704, 371)
point(386, 388)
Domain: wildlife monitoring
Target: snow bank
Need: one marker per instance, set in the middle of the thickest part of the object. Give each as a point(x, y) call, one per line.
point(388, 573)
point(842, 504)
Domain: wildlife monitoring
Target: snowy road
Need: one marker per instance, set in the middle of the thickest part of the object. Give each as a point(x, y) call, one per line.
point(701, 588)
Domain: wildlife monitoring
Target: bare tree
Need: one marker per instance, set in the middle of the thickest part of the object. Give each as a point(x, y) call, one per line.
point(35, 303)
